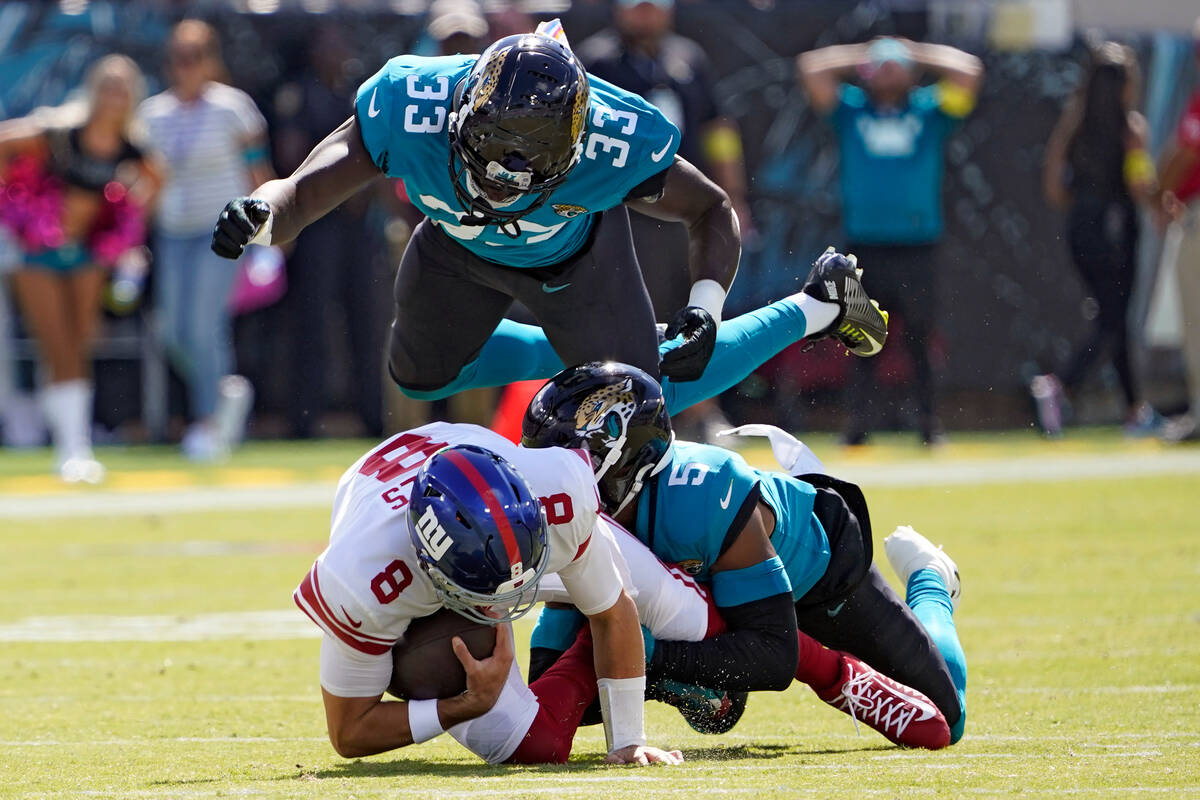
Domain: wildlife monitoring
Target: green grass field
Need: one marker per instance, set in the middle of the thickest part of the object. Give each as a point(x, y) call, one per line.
point(131, 666)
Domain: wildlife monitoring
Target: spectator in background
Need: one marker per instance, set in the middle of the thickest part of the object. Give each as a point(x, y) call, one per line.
point(214, 141)
point(77, 181)
point(891, 134)
point(1179, 182)
point(334, 260)
point(457, 26)
point(1097, 169)
point(641, 53)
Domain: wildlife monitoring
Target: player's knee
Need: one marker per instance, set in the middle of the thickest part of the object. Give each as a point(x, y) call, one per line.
point(541, 753)
point(546, 742)
point(427, 386)
point(344, 745)
point(782, 669)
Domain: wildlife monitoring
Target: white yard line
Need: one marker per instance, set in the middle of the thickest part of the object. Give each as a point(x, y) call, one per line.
point(1093, 466)
point(259, 625)
point(167, 501)
point(914, 473)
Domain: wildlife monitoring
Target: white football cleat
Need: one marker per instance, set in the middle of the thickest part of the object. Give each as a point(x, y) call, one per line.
point(908, 551)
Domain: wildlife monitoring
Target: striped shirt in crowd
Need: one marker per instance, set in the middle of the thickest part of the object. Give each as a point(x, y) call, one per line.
point(204, 144)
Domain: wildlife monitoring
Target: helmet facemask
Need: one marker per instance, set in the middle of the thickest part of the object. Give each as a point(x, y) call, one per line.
point(516, 130)
point(507, 603)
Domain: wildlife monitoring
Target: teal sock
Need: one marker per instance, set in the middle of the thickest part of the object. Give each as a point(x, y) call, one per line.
point(929, 600)
point(556, 628)
point(744, 343)
point(514, 352)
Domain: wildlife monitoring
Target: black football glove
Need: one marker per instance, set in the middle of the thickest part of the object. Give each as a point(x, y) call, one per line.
point(239, 222)
point(699, 331)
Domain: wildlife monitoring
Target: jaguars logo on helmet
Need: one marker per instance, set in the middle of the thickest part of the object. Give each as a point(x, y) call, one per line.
point(491, 76)
point(614, 411)
point(579, 115)
point(568, 210)
point(606, 411)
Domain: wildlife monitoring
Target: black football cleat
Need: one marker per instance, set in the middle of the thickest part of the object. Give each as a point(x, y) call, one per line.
point(706, 710)
point(862, 326)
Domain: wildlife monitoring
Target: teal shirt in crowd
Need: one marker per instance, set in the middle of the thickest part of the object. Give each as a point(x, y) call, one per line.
point(891, 166)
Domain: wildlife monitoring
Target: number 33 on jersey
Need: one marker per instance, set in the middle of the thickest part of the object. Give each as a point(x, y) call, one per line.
point(403, 111)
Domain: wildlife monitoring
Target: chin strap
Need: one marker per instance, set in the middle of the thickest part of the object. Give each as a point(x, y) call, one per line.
point(649, 470)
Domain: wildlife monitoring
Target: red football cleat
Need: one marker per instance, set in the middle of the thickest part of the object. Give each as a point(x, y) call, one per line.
point(903, 715)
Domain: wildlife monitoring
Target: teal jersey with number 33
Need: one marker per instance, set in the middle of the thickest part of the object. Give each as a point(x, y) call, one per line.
point(403, 111)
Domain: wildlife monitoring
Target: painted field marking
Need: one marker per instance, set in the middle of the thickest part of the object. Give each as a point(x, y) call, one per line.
point(28, 497)
point(289, 624)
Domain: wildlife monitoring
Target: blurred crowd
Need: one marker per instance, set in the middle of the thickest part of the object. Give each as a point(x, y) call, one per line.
point(109, 201)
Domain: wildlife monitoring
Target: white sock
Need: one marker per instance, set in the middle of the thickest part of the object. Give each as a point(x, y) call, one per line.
point(818, 314)
point(68, 409)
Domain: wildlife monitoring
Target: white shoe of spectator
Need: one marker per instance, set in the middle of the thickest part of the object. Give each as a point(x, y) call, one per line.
point(67, 408)
point(81, 468)
point(201, 443)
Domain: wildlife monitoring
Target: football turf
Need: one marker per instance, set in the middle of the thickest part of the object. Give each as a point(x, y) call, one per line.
point(157, 654)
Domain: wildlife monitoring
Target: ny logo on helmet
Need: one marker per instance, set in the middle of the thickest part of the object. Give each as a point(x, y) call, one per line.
point(432, 535)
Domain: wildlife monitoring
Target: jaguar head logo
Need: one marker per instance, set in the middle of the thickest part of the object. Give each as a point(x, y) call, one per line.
point(490, 77)
point(606, 411)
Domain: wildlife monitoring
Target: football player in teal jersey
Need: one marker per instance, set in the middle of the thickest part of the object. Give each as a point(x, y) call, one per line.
point(776, 548)
point(523, 165)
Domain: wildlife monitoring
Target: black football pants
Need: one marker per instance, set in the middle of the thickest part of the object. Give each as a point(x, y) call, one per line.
point(448, 301)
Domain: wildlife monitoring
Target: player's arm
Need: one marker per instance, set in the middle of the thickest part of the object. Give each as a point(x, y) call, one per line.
point(759, 649)
point(594, 585)
point(714, 249)
point(714, 243)
point(363, 726)
point(822, 71)
point(338, 167)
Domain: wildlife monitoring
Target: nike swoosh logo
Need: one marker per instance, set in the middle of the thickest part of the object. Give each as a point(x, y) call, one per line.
point(350, 619)
point(833, 612)
point(372, 111)
point(548, 289)
point(728, 495)
point(656, 157)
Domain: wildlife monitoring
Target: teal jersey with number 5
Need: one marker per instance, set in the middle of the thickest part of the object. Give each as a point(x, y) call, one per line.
point(403, 111)
point(695, 507)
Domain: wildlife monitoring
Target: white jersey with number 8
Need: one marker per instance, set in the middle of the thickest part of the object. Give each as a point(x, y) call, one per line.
point(366, 587)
